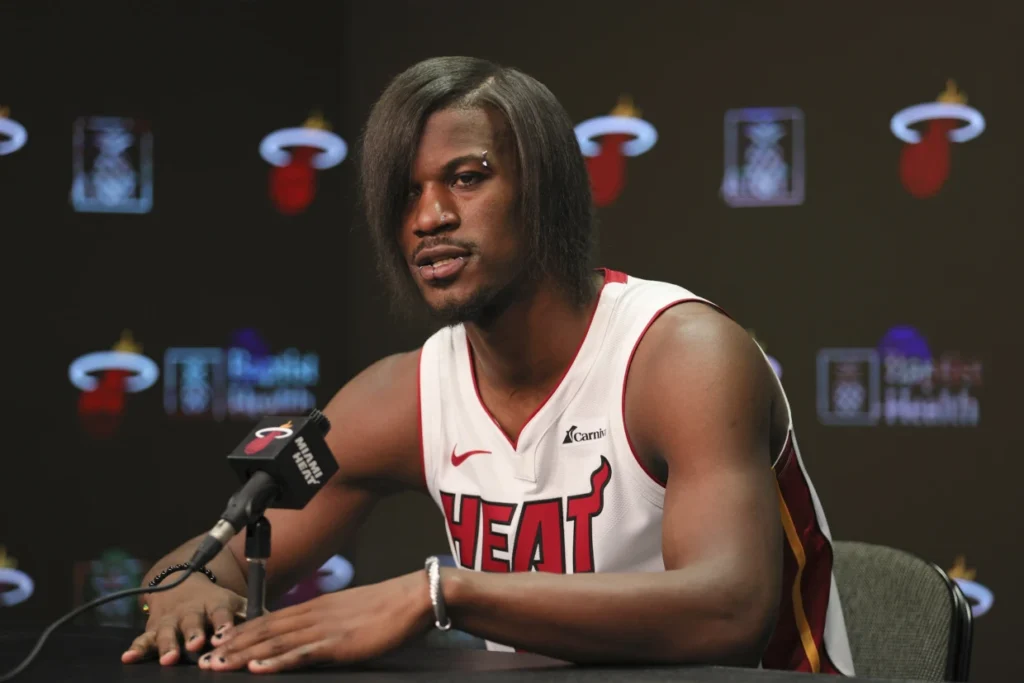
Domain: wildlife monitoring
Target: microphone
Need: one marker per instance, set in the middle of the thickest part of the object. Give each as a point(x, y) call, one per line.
point(283, 462)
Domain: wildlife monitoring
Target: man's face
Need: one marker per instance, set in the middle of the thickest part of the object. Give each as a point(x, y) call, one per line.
point(460, 235)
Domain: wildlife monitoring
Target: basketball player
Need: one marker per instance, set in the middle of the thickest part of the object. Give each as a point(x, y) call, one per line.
point(614, 457)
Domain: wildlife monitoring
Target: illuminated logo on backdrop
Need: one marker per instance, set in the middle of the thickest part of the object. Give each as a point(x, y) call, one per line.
point(114, 570)
point(105, 377)
point(924, 160)
point(334, 575)
point(296, 154)
point(244, 380)
point(980, 597)
point(772, 361)
point(764, 157)
point(15, 586)
point(901, 382)
point(13, 135)
point(112, 165)
point(606, 141)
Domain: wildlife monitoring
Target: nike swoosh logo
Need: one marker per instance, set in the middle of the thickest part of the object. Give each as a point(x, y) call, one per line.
point(459, 459)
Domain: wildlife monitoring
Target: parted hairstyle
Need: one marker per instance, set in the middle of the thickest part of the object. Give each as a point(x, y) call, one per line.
point(555, 205)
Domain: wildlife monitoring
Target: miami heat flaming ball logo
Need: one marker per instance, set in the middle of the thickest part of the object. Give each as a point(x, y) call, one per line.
point(264, 436)
point(606, 141)
point(313, 147)
point(924, 161)
point(13, 135)
point(104, 378)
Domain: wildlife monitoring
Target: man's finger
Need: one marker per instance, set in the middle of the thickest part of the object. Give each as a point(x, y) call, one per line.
point(167, 642)
point(274, 644)
point(142, 648)
point(302, 656)
point(193, 628)
point(222, 617)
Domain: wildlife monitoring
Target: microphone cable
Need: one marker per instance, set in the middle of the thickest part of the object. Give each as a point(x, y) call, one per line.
point(89, 605)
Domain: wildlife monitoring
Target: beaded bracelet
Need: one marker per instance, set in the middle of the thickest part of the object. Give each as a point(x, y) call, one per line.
point(176, 568)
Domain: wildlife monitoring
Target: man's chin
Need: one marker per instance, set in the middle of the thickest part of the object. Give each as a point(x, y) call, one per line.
point(453, 308)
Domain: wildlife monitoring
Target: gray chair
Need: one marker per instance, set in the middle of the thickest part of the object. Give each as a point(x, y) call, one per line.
point(905, 617)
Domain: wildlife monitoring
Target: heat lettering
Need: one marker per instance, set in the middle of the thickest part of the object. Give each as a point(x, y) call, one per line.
point(581, 511)
point(540, 530)
point(538, 541)
point(464, 530)
point(495, 513)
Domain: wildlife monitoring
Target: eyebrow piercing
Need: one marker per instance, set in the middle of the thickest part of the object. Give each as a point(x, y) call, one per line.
point(484, 162)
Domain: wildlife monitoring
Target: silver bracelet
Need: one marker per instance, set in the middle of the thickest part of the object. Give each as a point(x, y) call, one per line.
point(441, 620)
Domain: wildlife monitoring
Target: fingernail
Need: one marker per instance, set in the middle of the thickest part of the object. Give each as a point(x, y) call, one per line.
point(261, 662)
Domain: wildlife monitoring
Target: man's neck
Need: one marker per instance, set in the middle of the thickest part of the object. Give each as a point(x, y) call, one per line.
point(528, 347)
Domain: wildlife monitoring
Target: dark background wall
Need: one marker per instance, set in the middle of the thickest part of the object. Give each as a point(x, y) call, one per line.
point(214, 257)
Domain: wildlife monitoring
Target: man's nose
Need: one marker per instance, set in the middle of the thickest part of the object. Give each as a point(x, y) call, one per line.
point(435, 213)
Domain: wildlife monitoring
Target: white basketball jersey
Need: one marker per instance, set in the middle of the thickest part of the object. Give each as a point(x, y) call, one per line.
point(570, 496)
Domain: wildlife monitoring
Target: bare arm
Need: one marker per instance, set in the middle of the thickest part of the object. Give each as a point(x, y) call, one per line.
point(375, 440)
point(698, 402)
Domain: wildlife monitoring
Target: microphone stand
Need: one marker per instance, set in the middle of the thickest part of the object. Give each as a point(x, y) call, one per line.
point(257, 550)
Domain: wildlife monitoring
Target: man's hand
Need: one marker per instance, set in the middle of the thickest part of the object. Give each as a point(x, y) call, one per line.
point(184, 614)
point(344, 627)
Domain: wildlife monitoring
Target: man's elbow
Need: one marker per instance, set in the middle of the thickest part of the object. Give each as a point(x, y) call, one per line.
point(737, 635)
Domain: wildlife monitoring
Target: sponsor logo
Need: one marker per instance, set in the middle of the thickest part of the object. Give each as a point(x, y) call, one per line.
point(764, 157)
point(112, 165)
point(572, 435)
point(263, 437)
point(104, 377)
point(606, 141)
point(311, 147)
point(306, 463)
point(15, 586)
point(925, 159)
point(899, 383)
point(243, 381)
point(114, 570)
point(461, 458)
point(980, 597)
point(13, 135)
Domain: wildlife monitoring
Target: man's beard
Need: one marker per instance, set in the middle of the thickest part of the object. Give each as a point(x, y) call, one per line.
point(484, 305)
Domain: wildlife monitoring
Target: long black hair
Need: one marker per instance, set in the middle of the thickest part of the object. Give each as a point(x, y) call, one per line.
point(555, 207)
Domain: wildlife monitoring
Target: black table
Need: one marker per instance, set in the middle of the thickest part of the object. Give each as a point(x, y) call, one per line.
point(93, 655)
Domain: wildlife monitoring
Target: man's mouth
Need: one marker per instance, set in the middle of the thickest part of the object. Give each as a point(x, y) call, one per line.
point(442, 269)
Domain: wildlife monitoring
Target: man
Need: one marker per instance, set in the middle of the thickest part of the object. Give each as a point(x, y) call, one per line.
point(614, 457)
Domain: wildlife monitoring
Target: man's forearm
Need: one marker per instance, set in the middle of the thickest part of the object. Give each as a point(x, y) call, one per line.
point(224, 566)
point(681, 616)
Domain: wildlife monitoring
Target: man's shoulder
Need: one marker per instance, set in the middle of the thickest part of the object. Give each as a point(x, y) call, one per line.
point(696, 338)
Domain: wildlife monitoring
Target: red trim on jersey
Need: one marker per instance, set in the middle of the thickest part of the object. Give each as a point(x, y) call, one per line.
point(798, 642)
point(614, 276)
point(476, 385)
point(419, 422)
point(625, 378)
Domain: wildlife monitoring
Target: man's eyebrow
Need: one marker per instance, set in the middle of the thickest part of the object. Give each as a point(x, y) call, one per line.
point(459, 160)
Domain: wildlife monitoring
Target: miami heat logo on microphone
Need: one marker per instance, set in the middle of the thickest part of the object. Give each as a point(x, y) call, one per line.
point(622, 134)
point(266, 435)
point(925, 159)
point(13, 135)
point(122, 370)
point(293, 179)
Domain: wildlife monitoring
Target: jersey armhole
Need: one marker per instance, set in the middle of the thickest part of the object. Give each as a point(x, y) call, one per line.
point(652, 482)
point(419, 420)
